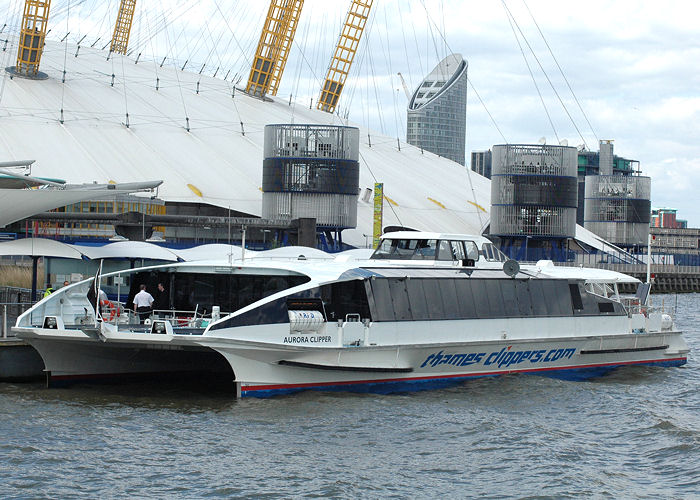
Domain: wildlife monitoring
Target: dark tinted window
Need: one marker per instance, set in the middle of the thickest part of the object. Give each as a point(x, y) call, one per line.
point(190, 291)
point(465, 298)
point(399, 298)
point(434, 298)
point(522, 297)
point(384, 308)
point(346, 297)
point(539, 306)
point(481, 301)
point(416, 297)
point(576, 296)
point(510, 305)
point(449, 299)
point(493, 291)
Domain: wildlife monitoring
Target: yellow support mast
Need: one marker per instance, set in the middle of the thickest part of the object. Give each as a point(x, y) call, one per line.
point(273, 47)
point(344, 54)
point(32, 34)
point(122, 30)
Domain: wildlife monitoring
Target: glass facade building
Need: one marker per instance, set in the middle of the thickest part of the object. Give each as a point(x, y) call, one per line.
point(481, 163)
point(437, 111)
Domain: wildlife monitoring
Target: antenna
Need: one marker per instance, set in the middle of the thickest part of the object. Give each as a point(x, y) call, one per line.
point(543, 141)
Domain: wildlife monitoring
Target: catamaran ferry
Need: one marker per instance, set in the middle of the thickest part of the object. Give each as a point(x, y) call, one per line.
point(424, 310)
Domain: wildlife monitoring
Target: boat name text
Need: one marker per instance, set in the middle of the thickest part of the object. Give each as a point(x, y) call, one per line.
point(307, 339)
point(504, 357)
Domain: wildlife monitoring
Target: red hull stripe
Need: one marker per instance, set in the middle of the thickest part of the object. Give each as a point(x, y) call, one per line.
point(458, 375)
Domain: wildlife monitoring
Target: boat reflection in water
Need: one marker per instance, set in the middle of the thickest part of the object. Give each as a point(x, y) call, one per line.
point(424, 310)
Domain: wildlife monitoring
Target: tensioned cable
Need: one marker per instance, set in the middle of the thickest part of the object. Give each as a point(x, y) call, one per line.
point(397, 125)
point(233, 35)
point(12, 22)
point(561, 71)
point(487, 110)
point(544, 73)
point(534, 81)
point(405, 46)
point(415, 39)
point(376, 92)
point(391, 206)
point(432, 35)
point(179, 85)
point(430, 21)
point(297, 74)
point(471, 184)
point(65, 61)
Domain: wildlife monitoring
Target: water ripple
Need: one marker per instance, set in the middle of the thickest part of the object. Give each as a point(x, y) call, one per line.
point(632, 434)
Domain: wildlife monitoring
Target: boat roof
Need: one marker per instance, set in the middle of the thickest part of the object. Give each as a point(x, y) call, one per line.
point(425, 235)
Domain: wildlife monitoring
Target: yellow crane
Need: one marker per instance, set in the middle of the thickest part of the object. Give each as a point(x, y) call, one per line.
point(344, 54)
point(122, 30)
point(273, 48)
point(32, 34)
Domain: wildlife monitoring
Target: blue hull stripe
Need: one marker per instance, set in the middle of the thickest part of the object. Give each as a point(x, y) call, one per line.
point(574, 373)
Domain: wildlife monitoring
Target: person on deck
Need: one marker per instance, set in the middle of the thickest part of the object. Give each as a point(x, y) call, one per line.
point(143, 302)
point(162, 299)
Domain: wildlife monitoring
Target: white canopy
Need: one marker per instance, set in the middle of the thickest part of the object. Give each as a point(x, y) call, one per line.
point(293, 253)
point(40, 247)
point(128, 250)
point(213, 251)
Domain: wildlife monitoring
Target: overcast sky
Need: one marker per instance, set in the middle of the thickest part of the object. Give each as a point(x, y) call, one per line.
point(633, 66)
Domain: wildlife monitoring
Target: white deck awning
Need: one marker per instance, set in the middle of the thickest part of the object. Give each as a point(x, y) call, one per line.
point(39, 247)
point(128, 250)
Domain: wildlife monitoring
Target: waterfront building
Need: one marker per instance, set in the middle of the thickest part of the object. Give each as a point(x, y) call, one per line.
point(589, 163)
point(437, 111)
point(533, 200)
point(481, 163)
point(666, 217)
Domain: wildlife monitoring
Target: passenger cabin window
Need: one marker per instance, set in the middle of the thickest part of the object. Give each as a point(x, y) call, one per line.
point(445, 251)
point(441, 250)
point(406, 249)
point(493, 254)
point(472, 250)
point(426, 250)
point(201, 291)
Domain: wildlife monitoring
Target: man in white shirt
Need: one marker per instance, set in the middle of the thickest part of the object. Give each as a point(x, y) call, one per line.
point(142, 303)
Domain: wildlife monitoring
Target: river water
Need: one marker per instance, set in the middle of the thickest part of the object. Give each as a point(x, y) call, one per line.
point(632, 434)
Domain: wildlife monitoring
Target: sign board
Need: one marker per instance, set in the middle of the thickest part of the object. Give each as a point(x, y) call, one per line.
point(378, 213)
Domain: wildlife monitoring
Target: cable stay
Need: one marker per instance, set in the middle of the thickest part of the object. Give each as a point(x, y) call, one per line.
point(534, 80)
point(561, 101)
point(561, 71)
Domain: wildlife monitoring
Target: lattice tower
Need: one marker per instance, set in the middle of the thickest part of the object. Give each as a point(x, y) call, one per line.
point(122, 30)
point(344, 54)
point(32, 34)
point(273, 48)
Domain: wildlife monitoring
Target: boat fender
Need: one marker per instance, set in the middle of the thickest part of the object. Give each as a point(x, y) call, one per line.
point(666, 322)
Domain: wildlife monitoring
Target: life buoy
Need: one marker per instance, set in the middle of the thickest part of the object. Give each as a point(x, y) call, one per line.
point(112, 308)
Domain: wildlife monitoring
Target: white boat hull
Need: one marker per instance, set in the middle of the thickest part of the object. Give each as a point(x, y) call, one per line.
point(73, 356)
point(267, 369)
